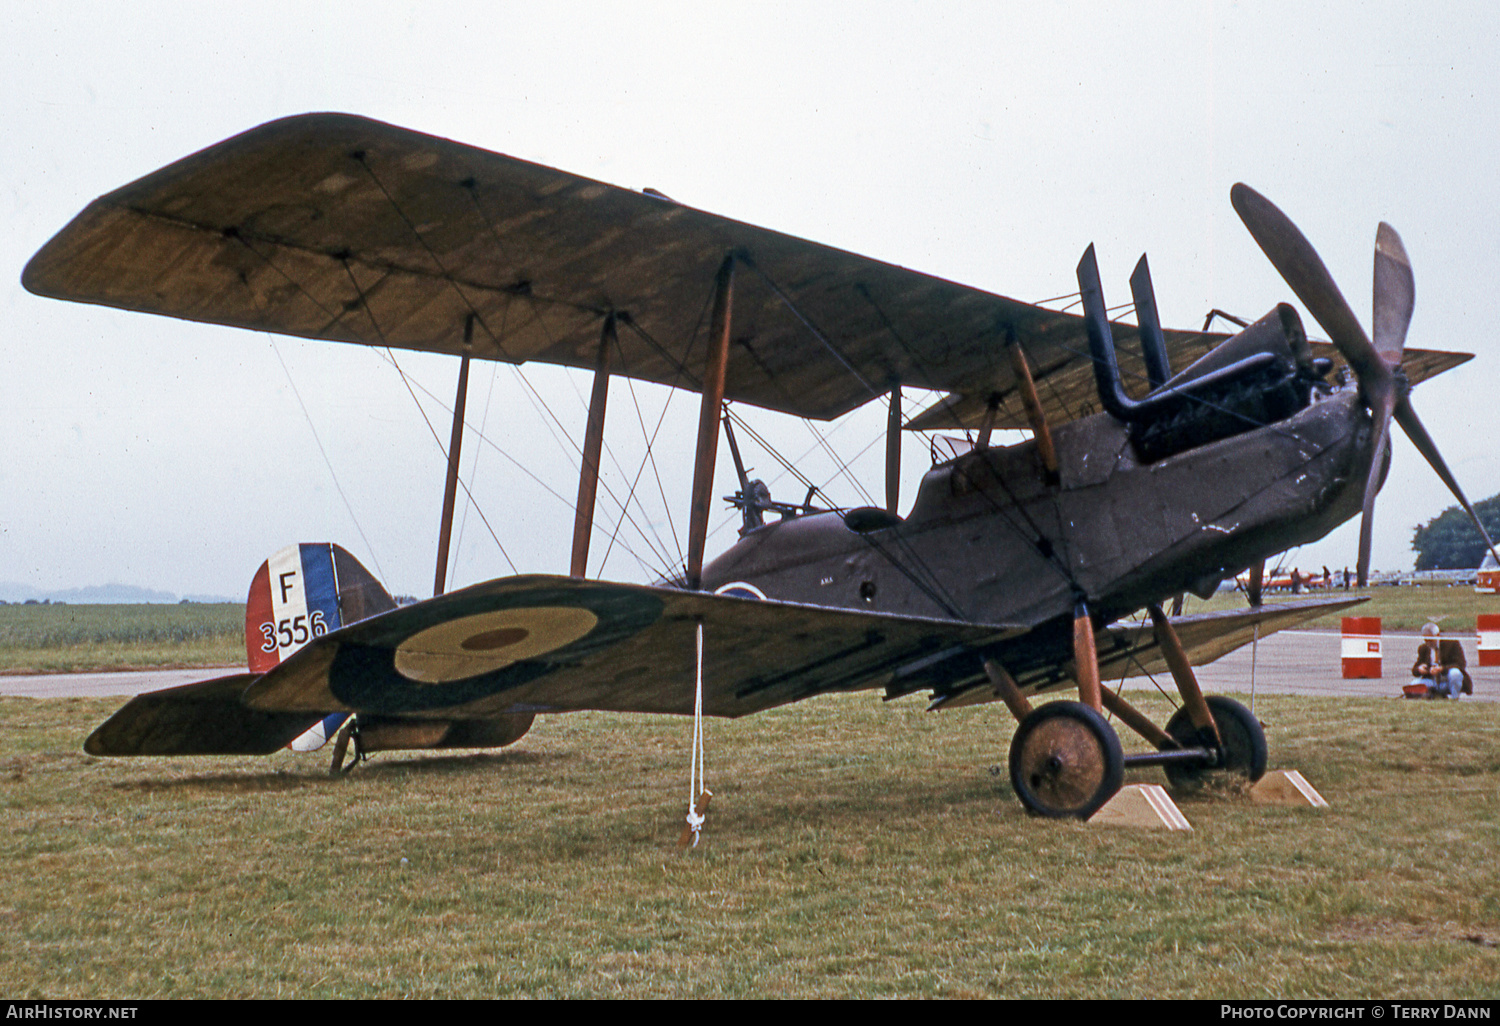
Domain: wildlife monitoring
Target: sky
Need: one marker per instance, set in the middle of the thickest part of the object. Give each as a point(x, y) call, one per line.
point(985, 143)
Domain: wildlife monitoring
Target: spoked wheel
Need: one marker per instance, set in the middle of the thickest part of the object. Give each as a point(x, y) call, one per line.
point(1065, 761)
point(1243, 757)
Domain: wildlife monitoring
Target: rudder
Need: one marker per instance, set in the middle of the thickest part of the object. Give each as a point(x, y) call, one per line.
point(302, 592)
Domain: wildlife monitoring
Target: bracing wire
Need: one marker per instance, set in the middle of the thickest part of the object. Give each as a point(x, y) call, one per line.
point(326, 461)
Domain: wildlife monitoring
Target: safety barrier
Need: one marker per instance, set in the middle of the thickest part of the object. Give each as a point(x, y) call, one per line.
point(1489, 639)
point(1361, 647)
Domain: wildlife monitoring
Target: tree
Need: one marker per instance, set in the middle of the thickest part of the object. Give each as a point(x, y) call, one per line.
point(1449, 541)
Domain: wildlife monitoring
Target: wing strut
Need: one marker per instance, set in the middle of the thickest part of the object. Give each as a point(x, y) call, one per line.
point(708, 419)
point(1034, 412)
point(450, 489)
point(593, 445)
point(893, 451)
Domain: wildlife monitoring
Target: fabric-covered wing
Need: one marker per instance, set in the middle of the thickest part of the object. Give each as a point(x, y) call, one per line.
point(331, 226)
point(555, 644)
point(206, 718)
point(1208, 636)
point(1067, 390)
point(1131, 650)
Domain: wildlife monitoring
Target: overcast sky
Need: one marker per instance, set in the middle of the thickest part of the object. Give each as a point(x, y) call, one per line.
point(988, 143)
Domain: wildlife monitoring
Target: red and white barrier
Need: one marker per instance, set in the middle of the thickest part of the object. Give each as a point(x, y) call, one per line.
point(1361, 647)
point(1489, 639)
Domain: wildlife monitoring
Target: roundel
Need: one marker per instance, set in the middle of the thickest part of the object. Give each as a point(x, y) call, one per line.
point(465, 649)
point(477, 644)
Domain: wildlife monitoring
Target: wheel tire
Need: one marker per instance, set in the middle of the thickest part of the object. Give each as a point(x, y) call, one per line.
point(1244, 751)
point(1065, 761)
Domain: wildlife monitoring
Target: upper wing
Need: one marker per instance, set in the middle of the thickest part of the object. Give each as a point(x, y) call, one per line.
point(1067, 390)
point(554, 644)
point(331, 226)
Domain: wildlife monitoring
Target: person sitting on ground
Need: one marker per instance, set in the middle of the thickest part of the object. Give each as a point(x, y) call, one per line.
point(1441, 666)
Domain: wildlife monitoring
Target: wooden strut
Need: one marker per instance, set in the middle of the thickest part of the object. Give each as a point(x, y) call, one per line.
point(991, 414)
point(1007, 689)
point(1086, 659)
point(1182, 673)
point(1034, 413)
point(450, 488)
point(1137, 721)
point(593, 445)
point(708, 419)
point(893, 451)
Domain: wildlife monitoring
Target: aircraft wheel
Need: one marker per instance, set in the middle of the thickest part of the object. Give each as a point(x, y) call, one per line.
point(1243, 756)
point(1065, 761)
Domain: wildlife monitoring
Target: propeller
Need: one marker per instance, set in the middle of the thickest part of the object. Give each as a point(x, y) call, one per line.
point(1376, 364)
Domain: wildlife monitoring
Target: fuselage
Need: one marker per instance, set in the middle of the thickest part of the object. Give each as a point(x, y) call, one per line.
point(989, 539)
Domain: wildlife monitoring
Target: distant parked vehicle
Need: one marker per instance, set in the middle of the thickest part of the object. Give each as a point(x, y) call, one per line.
point(1487, 577)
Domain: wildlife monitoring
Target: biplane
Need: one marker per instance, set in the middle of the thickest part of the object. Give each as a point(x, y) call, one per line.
point(1154, 462)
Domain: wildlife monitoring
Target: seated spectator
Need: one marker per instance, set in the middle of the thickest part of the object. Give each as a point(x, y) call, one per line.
point(1440, 667)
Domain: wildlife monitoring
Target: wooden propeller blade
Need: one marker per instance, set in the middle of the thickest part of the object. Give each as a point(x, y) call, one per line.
point(1382, 429)
point(1395, 294)
point(1407, 418)
point(1301, 267)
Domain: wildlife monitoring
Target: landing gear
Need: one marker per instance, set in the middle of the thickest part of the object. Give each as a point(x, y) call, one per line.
point(1065, 761)
point(1240, 757)
point(348, 733)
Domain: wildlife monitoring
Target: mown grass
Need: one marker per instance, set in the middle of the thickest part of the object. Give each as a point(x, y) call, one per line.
point(59, 638)
point(854, 849)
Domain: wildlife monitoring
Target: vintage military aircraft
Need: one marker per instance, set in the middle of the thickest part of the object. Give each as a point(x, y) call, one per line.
point(1159, 466)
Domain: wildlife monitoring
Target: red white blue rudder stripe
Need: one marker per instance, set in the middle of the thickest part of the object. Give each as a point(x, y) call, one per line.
point(293, 599)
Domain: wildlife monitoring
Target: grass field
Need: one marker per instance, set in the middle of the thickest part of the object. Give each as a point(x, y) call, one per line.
point(854, 849)
point(61, 638)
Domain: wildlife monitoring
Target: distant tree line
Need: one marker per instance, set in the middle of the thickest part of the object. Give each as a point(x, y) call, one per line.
point(1449, 541)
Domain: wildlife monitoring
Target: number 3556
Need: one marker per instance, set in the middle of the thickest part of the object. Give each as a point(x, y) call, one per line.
point(296, 630)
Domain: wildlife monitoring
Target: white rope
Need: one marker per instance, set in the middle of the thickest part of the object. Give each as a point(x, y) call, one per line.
point(696, 781)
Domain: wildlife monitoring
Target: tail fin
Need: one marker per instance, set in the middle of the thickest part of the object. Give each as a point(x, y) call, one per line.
point(303, 592)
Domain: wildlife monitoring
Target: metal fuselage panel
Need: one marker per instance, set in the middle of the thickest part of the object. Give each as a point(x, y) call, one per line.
point(988, 540)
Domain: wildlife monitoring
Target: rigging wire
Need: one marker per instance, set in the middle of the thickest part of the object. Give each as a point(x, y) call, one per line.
point(538, 401)
point(326, 461)
point(469, 494)
point(649, 456)
point(484, 421)
point(646, 567)
point(365, 305)
point(335, 317)
point(660, 549)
